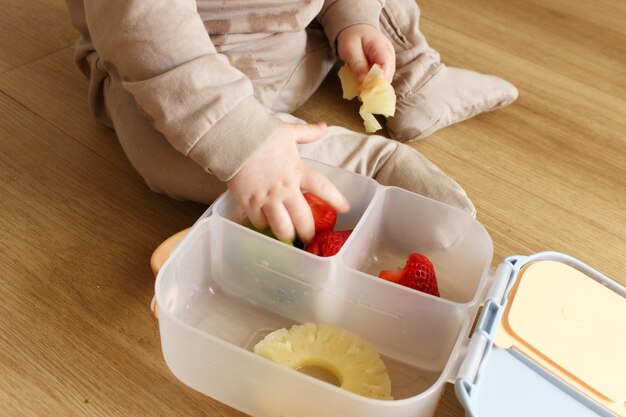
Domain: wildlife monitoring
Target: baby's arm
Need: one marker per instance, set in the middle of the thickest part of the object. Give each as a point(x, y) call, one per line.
point(159, 51)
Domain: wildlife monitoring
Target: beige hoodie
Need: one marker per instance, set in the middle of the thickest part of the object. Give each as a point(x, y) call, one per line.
point(166, 53)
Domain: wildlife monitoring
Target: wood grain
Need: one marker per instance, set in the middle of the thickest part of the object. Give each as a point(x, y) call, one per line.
point(78, 225)
point(30, 30)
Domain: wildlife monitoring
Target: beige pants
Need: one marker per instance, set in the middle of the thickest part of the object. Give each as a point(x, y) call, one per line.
point(282, 89)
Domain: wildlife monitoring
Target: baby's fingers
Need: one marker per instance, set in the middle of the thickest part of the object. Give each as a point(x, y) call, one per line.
point(381, 52)
point(321, 186)
point(279, 221)
point(301, 216)
point(257, 218)
point(353, 54)
point(307, 133)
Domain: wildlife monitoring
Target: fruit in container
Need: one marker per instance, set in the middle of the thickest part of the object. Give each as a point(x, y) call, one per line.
point(355, 364)
point(328, 243)
point(324, 215)
point(267, 231)
point(418, 273)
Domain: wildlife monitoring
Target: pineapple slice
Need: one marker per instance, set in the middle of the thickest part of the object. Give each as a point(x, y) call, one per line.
point(375, 92)
point(369, 121)
point(356, 365)
point(377, 95)
point(349, 84)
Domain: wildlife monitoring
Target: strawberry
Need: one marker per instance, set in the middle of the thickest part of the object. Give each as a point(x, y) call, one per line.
point(393, 276)
point(324, 215)
point(418, 273)
point(328, 243)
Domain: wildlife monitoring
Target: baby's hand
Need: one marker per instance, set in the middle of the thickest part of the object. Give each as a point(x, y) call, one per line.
point(362, 46)
point(269, 185)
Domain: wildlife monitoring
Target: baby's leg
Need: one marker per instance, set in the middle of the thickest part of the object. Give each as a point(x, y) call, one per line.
point(388, 162)
point(431, 95)
point(163, 168)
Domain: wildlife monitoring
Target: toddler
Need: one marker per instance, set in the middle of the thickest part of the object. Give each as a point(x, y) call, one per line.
point(199, 94)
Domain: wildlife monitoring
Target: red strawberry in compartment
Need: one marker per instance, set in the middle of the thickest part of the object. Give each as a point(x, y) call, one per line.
point(324, 215)
point(393, 276)
point(418, 273)
point(328, 243)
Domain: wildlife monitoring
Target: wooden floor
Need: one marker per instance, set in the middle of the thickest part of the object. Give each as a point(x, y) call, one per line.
point(78, 225)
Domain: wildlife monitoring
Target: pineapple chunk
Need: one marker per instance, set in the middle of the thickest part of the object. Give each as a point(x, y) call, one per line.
point(375, 92)
point(375, 73)
point(356, 365)
point(349, 84)
point(379, 98)
point(369, 121)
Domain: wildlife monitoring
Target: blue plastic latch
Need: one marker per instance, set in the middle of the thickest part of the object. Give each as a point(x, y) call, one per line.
point(481, 341)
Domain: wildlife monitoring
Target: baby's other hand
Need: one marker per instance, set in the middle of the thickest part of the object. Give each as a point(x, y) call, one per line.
point(362, 46)
point(269, 185)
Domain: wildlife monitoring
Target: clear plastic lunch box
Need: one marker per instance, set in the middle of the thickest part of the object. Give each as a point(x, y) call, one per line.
point(224, 287)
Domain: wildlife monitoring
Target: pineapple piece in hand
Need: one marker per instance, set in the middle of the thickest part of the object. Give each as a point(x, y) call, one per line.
point(375, 92)
point(355, 364)
point(369, 121)
point(349, 84)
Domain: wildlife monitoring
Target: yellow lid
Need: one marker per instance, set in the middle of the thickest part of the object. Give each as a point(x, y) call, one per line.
point(571, 325)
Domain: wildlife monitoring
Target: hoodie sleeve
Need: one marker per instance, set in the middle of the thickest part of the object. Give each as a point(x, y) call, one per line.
point(159, 50)
point(336, 15)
